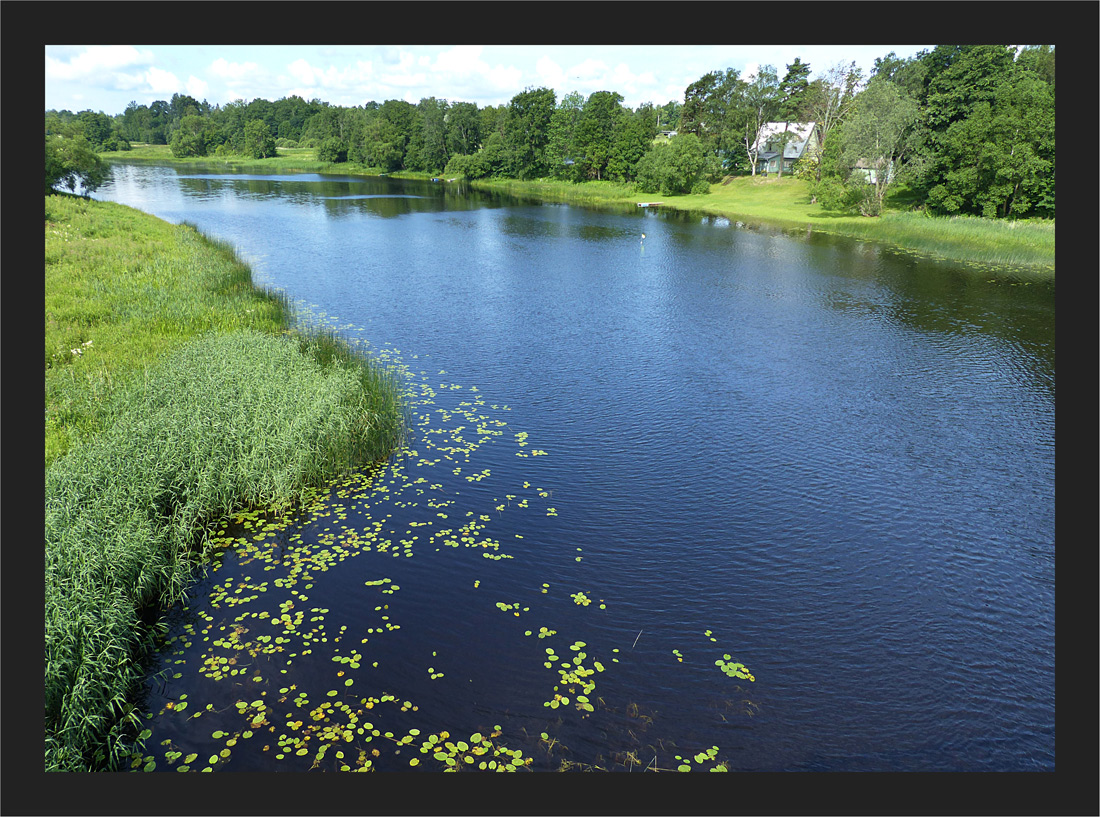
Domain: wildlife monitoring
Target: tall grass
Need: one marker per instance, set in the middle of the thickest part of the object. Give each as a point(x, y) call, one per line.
point(188, 397)
point(123, 288)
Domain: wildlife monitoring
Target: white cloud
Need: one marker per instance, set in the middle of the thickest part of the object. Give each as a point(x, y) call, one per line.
point(550, 74)
point(162, 82)
point(462, 60)
point(96, 61)
point(196, 87)
point(303, 72)
point(233, 73)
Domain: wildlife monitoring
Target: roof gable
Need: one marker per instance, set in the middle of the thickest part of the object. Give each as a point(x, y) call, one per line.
point(799, 133)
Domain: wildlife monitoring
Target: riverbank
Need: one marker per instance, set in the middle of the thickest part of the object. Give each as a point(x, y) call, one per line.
point(763, 201)
point(785, 204)
point(176, 392)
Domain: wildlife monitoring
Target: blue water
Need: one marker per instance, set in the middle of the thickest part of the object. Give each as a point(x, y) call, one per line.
point(836, 458)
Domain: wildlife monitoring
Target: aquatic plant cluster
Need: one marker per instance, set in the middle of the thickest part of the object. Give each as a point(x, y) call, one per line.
point(277, 680)
point(227, 421)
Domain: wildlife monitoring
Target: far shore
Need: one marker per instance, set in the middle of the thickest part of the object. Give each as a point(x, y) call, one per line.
point(1025, 245)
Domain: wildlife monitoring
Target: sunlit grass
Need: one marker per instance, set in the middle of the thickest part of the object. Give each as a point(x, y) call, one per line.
point(122, 288)
point(302, 160)
point(176, 392)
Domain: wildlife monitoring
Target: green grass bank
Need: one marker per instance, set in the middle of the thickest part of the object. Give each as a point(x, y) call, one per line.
point(176, 392)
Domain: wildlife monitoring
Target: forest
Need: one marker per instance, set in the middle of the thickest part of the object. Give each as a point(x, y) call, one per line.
point(962, 129)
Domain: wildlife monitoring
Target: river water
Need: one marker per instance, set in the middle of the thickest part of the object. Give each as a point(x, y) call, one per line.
point(823, 459)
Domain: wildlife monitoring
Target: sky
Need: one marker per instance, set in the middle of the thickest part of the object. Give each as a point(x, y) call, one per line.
point(106, 78)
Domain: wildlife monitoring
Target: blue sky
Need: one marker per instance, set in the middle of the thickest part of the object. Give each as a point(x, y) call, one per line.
point(107, 78)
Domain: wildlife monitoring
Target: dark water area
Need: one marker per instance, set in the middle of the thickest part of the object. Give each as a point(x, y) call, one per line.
point(830, 461)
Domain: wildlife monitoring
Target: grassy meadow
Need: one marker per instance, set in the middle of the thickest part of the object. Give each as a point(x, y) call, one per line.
point(176, 393)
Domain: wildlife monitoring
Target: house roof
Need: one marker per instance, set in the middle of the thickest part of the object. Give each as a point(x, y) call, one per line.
point(801, 132)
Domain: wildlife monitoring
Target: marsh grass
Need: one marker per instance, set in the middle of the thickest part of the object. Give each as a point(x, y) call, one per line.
point(123, 288)
point(189, 398)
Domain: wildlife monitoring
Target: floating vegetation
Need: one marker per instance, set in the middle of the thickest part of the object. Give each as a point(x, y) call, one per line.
point(296, 685)
point(733, 669)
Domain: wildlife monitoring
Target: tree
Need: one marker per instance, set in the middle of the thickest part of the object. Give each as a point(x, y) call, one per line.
point(875, 137)
point(632, 139)
point(668, 115)
point(527, 131)
point(999, 160)
point(71, 162)
point(827, 103)
point(988, 135)
point(595, 132)
point(433, 134)
point(561, 148)
point(332, 150)
point(756, 106)
point(708, 105)
point(190, 138)
point(793, 93)
point(463, 128)
point(258, 141)
point(96, 128)
point(672, 167)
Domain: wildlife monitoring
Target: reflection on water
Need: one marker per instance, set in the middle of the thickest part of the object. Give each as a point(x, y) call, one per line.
point(828, 459)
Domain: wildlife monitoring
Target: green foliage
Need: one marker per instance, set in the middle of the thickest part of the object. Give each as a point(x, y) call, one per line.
point(672, 167)
point(190, 138)
point(226, 422)
point(982, 141)
point(875, 138)
point(472, 167)
point(526, 132)
point(258, 143)
point(71, 163)
point(182, 413)
point(332, 150)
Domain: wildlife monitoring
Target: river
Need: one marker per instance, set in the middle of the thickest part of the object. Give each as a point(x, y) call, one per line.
point(821, 464)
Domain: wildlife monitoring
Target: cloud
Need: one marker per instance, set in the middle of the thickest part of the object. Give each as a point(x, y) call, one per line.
point(233, 73)
point(97, 62)
point(162, 82)
point(550, 74)
point(196, 87)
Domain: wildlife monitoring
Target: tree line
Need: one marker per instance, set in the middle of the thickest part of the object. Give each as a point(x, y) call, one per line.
point(965, 129)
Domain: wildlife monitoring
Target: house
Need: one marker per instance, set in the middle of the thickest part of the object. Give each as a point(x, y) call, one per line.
point(801, 136)
point(865, 170)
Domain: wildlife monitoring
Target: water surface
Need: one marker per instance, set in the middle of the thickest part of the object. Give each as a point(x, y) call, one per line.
point(830, 460)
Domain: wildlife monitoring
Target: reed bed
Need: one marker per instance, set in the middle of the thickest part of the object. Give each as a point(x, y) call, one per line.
point(193, 400)
point(123, 288)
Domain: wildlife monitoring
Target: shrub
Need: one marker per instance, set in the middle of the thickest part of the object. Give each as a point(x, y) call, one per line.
point(332, 149)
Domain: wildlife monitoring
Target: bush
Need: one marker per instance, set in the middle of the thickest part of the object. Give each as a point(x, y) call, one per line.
point(474, 166)
point(332, 149)
point(833, 194)
point(672, 167)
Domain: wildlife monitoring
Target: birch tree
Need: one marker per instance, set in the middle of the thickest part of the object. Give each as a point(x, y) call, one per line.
point(876, 136)
point(829, 102)
point(758, 104)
